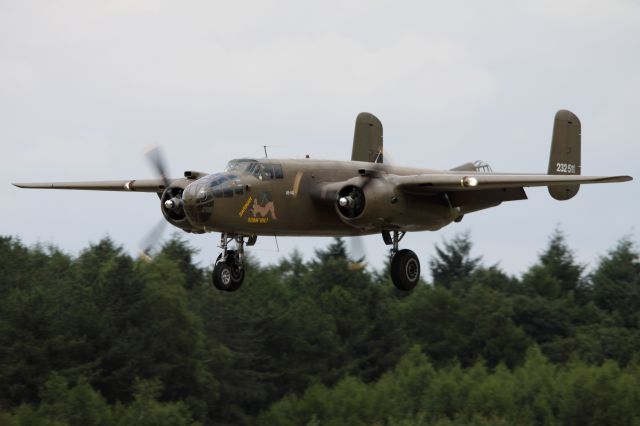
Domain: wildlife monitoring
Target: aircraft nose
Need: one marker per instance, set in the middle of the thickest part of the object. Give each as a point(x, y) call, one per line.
point(198, 202)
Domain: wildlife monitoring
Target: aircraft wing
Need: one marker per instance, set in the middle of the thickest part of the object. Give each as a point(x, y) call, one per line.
point(441, 182)
point(141, 185)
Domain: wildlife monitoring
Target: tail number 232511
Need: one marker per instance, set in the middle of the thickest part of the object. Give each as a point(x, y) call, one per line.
point(565, 168)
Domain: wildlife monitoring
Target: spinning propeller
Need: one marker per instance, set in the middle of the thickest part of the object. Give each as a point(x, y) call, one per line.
point(153, 237)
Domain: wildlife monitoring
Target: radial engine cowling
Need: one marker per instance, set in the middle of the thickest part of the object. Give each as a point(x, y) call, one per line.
point(368, 202)
point(172, 205)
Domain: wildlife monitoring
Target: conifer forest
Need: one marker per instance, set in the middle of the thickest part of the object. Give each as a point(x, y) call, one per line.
point(104, 338)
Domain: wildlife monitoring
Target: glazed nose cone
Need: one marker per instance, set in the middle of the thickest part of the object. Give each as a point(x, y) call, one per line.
point(198, 202)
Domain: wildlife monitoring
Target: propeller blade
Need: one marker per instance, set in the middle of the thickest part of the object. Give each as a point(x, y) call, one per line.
point(150, 241)
point(357, 254)
point(389, 159)
point(155, 157)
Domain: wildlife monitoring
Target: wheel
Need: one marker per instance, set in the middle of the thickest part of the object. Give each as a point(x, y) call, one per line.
point(227, 275)
point(405, 270)
point(222, 276)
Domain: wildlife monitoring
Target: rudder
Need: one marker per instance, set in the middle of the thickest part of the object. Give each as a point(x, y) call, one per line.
point(367, 139)
point(564, 158)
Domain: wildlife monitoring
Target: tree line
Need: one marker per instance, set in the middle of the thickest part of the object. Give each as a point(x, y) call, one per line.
point(103, 338)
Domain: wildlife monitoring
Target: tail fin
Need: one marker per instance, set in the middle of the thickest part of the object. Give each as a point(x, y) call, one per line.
point(565, 153)
point(367, 139)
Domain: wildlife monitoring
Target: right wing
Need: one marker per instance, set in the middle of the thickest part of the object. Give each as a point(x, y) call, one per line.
point(446, 182)
point(141, 185)
point(476, 191)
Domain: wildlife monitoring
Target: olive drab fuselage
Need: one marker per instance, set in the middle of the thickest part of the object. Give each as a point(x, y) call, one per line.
point(290, 200)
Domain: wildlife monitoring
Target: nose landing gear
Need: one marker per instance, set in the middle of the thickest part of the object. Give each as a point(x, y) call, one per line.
point(228, 272)
point(405, 265)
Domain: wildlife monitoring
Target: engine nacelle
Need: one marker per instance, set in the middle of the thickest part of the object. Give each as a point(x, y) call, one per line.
point(369, 202)
point(172, 205)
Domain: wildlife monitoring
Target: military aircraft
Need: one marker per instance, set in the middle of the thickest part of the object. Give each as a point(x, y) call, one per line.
point(308, 197)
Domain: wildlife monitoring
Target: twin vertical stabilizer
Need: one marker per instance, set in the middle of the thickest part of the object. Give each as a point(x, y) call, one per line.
point(367, 139)
point(564, 158)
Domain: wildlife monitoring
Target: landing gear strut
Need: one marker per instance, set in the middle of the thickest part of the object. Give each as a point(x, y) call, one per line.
point(405, 266)
point(228, 272)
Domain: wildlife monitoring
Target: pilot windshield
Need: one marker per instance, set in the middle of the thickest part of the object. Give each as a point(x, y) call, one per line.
point(241, 166)
point(260, 170)
point(218, 185)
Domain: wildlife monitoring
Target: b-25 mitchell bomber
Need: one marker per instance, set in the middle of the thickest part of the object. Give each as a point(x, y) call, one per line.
point(308, 197)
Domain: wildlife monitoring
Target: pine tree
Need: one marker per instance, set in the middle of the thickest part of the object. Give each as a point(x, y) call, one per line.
point(616, 283)
point(453, 265)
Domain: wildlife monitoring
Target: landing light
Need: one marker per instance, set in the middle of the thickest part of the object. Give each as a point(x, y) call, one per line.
point(468, 181)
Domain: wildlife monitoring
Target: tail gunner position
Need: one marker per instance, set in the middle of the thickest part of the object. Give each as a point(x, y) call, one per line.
point(363, 196)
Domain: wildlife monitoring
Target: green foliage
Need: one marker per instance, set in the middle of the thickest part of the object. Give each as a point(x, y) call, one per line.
point(81, 405)
point(616, 284)
point(453, 265)
point(147, 411)
point(77, 406)
point(180, 252)
point(415, 393)
point(557, 273)
point(105, 339)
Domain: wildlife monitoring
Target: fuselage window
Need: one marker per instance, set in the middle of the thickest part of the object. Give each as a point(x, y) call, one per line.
point(263, 171)
point(277, 169)
point(267, 171)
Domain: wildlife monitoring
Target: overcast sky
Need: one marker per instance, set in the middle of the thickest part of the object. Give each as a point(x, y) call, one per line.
point(85, 87)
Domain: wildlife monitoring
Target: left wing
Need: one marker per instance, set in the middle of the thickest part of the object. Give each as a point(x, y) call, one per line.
point(445, 182)
point(141, 185)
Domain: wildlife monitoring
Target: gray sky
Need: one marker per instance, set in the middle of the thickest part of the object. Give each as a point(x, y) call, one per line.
point(85, 87)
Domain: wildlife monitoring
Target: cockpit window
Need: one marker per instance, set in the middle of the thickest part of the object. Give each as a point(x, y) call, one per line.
point(268, 171)
point(222, 185)
point(482, 166)
point(277, 170)
point(243, 165)
point(260, 170)
point(257, 171)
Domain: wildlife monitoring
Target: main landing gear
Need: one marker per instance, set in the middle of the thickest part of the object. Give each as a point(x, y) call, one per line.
point(405, 266)
point(228, 272)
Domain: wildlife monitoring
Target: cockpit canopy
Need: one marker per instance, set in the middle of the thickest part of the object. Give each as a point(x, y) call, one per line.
point(198, 197)
point(477, 166)
point(218, 185)
point(263, 170)
point(482, 166)
point(241, 166)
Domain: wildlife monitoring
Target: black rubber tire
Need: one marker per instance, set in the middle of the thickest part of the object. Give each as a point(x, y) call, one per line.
point(405, 270)
point(227, 275)
point(221, 276)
